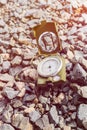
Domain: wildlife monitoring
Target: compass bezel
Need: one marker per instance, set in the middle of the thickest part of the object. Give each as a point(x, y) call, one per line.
point(40, 65)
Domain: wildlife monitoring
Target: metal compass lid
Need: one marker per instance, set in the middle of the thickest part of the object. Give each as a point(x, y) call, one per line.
point(47, 38)
point(49, 66)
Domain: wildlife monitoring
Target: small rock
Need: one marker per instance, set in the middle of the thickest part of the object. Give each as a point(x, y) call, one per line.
point(3, 2)
point(61, 122)
point(2, 85)
point(7, 114)
point(30, 73)
point(23, 40)
point(9, 84)
point(68, 120)
point(67, 128)
point(1, 97)
point(83, 91)
point(21, 122)
point(53, 115)
point(6, 127)
point(2, 31)
point(16, 103)
point(85, 123)
point(70, 55)
point(1, 123)
point(49, 127)
point(83, 62)
point(5, 56)
point(72, 107)
point(13, 30)
point(6, 77)
point(22, 92)
point(82, 114)
point(36, 100)
point(47, 93)
point(25, 63)
point(6, 66)
point(22, 2)
point(84, 16)
point(1, 60)
point(34, 116)
point(63, 38)
point(66, 89)
point(85, 56)
point(32, 23)
point(17, 51)
point(16, 119)
point(65, 100)
point(2, 106)
point(20, 29)
point(57, 129)
point(72, 124)
point(4, 43)
point(59, 5)
point(2, 23)
point(30, 12)
point(79, 74)
point(65, 15)
point(45, 120)
point(59, 99)
point(29, 55)
point(81, 19)
point(72, 31)
point(76, 99)
point(15, 70)
point(43, 99)
point(10, 93)
point(73, 116)
point(20, 85)
point(85, 50)
point(78, 54)
point(81, 36)
point(25, 125)
point(32, 85)
point(40, 107)
point(47, 107)
point(29, 110)
point(39, 123)
point(16, 61)
point(29, 97)
point(79, 128)
point(42, 122)
point(64, 109)
point(36, 62)
point(75, 86)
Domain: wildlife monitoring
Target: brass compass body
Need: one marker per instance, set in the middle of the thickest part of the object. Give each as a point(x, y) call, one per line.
point(52, 67)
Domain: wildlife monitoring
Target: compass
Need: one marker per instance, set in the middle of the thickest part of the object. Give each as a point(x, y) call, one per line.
point(49, 66)
point(52, 67)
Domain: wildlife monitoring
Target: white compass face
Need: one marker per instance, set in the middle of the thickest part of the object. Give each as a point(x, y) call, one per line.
point(49, 67)
point(48, 41)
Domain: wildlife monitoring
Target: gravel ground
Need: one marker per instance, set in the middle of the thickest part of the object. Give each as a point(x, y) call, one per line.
point(22, 106)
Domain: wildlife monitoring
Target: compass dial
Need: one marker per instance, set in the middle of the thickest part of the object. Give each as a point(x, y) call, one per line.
point(49, 66)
